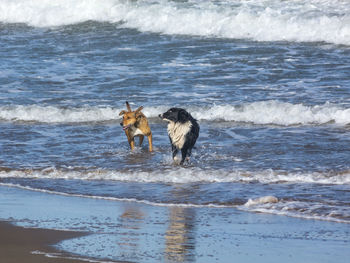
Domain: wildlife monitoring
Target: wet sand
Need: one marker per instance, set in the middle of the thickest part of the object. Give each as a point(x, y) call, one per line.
point(17, 245)
point(138, 232)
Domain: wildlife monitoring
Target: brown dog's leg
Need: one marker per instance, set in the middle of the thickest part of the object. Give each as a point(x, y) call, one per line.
point(150, 143)
point(141, 140)
point(132, 143)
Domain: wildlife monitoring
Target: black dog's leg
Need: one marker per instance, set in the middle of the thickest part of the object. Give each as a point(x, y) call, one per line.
point(184, 154)
point(189, 152)
point(174, 150)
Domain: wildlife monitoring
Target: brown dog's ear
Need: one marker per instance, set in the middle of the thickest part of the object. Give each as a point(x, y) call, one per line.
point(128, 106)
point(122, 113)
point(139, 109)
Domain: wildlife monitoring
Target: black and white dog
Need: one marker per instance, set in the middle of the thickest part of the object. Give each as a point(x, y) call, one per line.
point(183, 131)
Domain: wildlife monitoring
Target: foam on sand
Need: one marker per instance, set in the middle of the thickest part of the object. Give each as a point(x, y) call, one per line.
point(261, 200)
point(301, 209)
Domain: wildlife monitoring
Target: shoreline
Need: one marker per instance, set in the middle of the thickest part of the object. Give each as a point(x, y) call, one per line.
point(107, 231)
point(32, 245)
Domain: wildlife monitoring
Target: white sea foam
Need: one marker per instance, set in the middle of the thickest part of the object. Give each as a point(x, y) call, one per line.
point(300, 209)
point(116, 199)
point(263, 112)
point(262, 20)
point(61, 256)
point(275, 112)
point(261, 200)
point(51, 114)
point(183, 175)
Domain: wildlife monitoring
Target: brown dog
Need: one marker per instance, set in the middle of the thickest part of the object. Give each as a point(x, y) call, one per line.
point(135, 124)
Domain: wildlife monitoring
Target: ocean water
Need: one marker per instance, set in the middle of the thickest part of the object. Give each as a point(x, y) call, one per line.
point(267, 80)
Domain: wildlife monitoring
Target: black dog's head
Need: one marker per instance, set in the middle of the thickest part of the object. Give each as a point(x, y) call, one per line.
point(175, 115)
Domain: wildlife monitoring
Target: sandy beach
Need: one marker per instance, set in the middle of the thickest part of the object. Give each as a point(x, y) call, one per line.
point(18, 244)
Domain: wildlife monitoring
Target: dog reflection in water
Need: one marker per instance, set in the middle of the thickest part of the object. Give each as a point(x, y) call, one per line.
point(180, 235)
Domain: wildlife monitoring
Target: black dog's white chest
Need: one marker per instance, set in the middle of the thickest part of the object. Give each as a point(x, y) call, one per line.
point(177, 132)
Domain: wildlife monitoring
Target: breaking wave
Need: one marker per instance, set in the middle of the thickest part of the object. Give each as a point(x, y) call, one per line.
point(182, 175)
point(261, 20)
point(261, 113)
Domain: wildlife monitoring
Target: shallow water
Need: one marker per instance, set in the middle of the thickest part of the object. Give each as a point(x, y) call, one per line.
point(272, 99)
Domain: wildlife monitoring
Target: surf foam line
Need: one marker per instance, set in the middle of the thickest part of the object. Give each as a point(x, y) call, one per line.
point(260, 112)
point(265, 204)
point(183, 176)
point(260, 20)
point(115, 199)
point(62, 256)
point(298, 209)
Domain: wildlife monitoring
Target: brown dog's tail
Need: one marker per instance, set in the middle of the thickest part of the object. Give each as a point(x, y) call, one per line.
point(128, 106)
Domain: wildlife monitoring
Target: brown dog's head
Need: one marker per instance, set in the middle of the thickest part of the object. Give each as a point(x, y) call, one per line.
point(129, 117)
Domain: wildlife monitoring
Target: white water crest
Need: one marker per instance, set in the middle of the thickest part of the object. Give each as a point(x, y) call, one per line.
point(51, 114)
point(261, 112)
point(279, 113)
point(261, 20)
point(182, 175)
